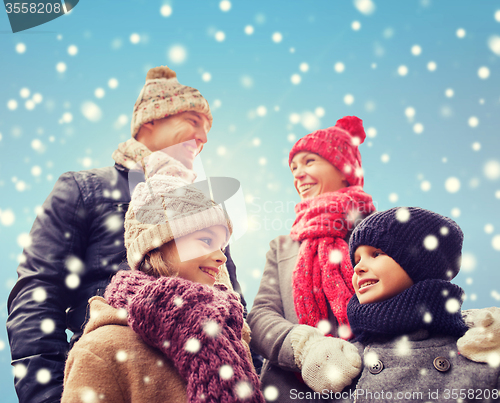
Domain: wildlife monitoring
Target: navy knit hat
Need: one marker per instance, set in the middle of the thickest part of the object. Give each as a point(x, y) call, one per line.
point(426, 245)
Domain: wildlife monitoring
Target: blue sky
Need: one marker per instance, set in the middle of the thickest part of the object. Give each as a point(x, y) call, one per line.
point(422, 74)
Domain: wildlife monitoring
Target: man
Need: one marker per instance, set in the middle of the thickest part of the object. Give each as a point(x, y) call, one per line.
point(77, 241)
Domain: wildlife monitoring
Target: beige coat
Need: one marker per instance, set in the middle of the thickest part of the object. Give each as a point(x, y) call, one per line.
point(111, 363)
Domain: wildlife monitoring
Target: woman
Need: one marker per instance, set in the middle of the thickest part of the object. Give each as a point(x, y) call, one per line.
point(164, 332)
point(306, 283)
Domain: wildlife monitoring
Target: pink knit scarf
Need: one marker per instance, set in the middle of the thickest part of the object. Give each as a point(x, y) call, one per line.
point(197, 327)
point(323, 271)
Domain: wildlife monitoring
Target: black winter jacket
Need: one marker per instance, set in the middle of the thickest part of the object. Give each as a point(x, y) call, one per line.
point(77, 246)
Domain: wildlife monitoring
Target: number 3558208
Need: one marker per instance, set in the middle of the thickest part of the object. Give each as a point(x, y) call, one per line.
point(33, 8)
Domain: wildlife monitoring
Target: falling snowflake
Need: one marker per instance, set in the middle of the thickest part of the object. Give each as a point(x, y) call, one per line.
point(277, 37)
point(402, 214)
point(61, 67)
point(324, 326)
point(418, 128)
point(226, 372)
point(427, 317)
point(416, 50)
point(91, 111)
point(452, 305)
point(113, 83)
point(72, 50)
point(166, 10)
point(220, 36)
point(72, 281)
point(371, 358)
point(335, 256)
point(366, 7)
point(494, 44)
point(193, 345)
point(24, 240)
point(271, 393)
point(88, 395)
point(74, 264)
point(211, 328)
point(495, 242)
point(249, 30)
point(339, 67)
point(48, 326)
point(425, 186)
point(356, 25)
point(403, 346)
point(39, 294)
point(295, 79)
point(121, 356)
point(452, 185)
point(43, 376)
point(20, 371)
point(348, 99)
point(225, 5)
point(492, 170)
point(483, 72)
point(460, 33)
point(402, 70)
point(244, 390)
point(20, 48)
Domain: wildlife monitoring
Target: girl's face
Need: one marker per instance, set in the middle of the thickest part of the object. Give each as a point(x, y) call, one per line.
point(198, 256)
point(377, 276)
point(313, 175)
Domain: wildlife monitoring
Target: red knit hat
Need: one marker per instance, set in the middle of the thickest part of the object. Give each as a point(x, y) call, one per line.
point(339, 146)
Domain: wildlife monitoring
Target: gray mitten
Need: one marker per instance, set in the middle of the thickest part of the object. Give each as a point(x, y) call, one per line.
point(326, 362)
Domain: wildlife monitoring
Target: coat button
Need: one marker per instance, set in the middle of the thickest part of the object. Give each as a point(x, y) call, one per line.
point(441, 364)
point(376, 367)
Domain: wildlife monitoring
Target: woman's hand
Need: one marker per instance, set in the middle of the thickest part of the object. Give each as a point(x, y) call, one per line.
point(326, 362)
point(481, 343)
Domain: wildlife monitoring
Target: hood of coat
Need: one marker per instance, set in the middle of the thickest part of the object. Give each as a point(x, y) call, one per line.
point(103, 314)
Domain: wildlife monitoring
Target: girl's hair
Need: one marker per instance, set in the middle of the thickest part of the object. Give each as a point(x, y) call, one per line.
point(157, 264)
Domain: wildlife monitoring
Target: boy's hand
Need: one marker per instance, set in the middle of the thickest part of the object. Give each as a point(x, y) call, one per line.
point(326, 362)
point(481, 343)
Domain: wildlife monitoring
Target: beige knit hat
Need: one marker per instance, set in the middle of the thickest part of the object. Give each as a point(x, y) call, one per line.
point(165, 208)
point(163, 96)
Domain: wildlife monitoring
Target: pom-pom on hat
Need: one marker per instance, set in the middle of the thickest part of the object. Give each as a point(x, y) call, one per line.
point(425, 244)
point(165, 208)
point(163, 96)
point(339, 146)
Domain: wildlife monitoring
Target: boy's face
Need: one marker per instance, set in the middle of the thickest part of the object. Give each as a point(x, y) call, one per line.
point(377, 276)
point(181, 136)
point(198, 256)
point(313, 175)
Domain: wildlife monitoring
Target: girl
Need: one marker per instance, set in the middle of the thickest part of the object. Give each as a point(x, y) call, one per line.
point(163, 332)
point(307, 278)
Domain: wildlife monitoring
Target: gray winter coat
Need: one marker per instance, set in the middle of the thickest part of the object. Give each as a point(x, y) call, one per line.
point(273, 317)
point(419, 368)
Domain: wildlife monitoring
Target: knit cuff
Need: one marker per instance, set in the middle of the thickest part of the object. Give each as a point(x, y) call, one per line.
point(302, 338)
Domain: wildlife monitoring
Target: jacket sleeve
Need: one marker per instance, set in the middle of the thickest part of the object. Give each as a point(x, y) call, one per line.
point(88, 377)
point(270, 329)
point(37, 305)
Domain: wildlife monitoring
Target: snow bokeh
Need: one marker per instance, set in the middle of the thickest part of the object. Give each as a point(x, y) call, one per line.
point(428, 99)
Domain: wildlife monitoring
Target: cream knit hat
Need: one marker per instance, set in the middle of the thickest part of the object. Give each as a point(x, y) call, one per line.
point(163, 96)
point(165, 208)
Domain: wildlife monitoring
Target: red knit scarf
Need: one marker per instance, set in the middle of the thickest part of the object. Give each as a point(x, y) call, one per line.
point(323, 271)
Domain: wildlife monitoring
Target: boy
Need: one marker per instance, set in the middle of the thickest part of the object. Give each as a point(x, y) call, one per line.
point(406, 314)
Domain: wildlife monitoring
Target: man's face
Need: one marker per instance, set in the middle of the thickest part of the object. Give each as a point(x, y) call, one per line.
point(181, 136)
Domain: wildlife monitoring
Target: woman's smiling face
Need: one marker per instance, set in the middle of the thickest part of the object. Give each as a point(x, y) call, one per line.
point(313, 175)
